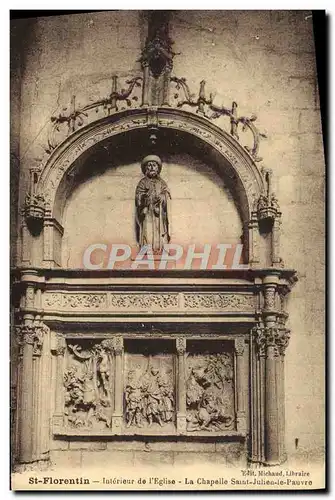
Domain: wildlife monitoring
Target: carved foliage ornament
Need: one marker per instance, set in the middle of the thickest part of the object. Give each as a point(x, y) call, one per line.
point(72, 118)
point(32, 335)
point(218, 301)
point(150, 301)
point(206, 108)
point(275, 337)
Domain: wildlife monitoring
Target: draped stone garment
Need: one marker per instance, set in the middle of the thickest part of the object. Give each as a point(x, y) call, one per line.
point(152, 223)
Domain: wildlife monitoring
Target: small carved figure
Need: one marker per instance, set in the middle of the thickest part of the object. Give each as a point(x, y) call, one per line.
point(166, 390)
point(151, 200)
point(103, 371)
point(89, 397)
point(134, 401)
point(152, 397)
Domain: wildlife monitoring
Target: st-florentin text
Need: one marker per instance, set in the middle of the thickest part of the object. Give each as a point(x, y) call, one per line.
point(173, 256)
point(58, 480)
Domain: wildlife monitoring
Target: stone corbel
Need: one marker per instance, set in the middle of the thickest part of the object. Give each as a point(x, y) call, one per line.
point(34, 212)
point(268, 210)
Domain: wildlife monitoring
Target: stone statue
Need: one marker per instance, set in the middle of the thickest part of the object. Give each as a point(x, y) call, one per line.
point(151, 200)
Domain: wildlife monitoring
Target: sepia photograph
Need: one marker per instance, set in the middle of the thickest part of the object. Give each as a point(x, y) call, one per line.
point(167, 250)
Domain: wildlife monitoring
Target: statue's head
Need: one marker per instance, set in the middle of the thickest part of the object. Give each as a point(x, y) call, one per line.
point(151, 166)
point(154, 371)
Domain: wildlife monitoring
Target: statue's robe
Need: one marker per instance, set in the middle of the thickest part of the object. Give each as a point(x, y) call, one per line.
point(152, 223)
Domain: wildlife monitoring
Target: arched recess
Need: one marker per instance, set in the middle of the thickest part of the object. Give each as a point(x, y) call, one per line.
point(62, 170)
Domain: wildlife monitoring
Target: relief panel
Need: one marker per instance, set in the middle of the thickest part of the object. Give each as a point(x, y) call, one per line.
point(149, 395)
point(210, 392)
point(88, 385)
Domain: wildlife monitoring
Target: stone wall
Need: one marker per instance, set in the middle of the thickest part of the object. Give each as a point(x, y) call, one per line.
point(265, 62)
point(137, 453)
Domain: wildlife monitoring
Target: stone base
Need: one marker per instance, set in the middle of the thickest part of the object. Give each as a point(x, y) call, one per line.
point(181, 423)
point(58, 420)
point(117, 421)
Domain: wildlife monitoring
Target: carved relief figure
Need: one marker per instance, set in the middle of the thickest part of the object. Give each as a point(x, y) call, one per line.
point(134, 401)
point(209, 394)
point(149, 398)
point(87, 383)
point(151, 201)
point(152, 396)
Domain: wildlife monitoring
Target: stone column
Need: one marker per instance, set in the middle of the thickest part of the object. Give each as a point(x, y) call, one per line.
point(275, 241)
point(58, 350)
point(241, 385)
point(272, 412)
point(117, 417)
point(181, 385)
point(272, 444)
point(253, 240)
point(31, 341)
point(257, 396)
point(283, 340)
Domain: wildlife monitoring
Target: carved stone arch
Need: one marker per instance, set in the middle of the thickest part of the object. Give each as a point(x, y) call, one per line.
point(67, 153)
point(58, 175)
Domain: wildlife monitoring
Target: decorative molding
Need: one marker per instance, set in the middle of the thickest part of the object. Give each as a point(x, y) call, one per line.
point(219, 301)
point(270, 298)
point(147, 302)
point(75, 300)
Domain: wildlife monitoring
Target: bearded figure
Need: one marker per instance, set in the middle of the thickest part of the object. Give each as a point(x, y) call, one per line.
point(151, 201)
